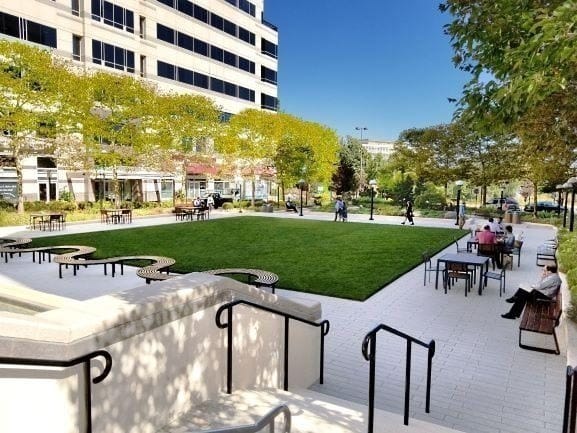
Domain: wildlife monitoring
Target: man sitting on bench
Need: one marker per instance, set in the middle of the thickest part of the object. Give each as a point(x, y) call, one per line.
point(547, 289)
point(291, 206)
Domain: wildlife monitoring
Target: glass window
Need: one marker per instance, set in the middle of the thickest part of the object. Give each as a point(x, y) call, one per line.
point(129, 21)
point(268, 48)
point(244, 64)
point(201, 14)
point(244, 93)
point(96, 9)
point(200, 47)
point(75, 7)
point(216, 53)
point(165, 70)
point(167, 2)
point(268, 102)
point(230, 58)
point(230, 28)
point(9, 25)
point(268, 75)
point(129, 61)
point(201, 80)
point(186, 7)
point(142, 25)
point(41, 34)
point(232, 2)
point(216, 85)
point(185, 76)
point(229, 89)
point(216, 21)
point(185, 41)
point(118, 17)
point(76, 41)
point(97, 52)
point(108, 13)
point(165, 33)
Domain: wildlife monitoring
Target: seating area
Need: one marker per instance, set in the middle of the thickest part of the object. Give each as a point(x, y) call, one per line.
point(191, 213)
point(541, 316)
point(256, 277)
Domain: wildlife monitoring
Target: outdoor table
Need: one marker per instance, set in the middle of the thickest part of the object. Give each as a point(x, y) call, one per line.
point(190, 211)
point(116, 215)
point(41, 218)
point(464, 258)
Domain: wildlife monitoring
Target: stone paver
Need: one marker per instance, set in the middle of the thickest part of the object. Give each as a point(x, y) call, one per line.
point(482, 380)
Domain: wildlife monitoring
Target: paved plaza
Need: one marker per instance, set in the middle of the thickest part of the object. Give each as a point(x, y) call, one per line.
point(482, 381)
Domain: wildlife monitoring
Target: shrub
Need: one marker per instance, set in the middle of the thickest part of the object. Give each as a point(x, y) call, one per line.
point(431, 199)
point(227, 206)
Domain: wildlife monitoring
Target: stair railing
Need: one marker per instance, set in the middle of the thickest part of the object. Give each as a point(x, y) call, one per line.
point(85, 360)
point(570, 409)
point(267, 420)
point(369, 351)
point(324, 326)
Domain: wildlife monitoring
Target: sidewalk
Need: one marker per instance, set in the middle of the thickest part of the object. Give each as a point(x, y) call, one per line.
point(482, 381)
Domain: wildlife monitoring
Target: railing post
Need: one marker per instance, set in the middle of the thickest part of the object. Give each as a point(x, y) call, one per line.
point(87, 395)
point(229, 353)
point(286, 351)
point(407, 381)
point(431, 353)
point(322, 354)
point(573, 403)
point(568, 398)
point(372, 367)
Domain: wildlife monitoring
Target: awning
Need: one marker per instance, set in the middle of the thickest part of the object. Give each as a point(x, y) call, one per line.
point(199, 168)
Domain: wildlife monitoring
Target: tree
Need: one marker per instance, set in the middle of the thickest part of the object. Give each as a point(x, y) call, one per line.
point(31, 83)
point(184, 126)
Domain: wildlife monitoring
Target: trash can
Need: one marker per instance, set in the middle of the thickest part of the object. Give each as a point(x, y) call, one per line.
point(508, 218)
point(516, 218)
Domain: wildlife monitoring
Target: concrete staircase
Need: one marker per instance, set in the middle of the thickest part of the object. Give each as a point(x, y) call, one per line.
point(312, 412)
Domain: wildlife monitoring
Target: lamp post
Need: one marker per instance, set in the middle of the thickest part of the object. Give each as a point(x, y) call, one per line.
point(361, 129)
point(566, 187)
point(301, 184)
point(373, 185)
point(573, 183)
point(459, 184)
point(559, 189)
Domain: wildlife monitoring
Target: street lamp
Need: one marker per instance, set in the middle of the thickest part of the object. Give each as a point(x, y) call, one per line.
point(572, 182)
point(301, 185)
point(559, 189)
point(361, 129)
point(459, 184)
point(566, 187)
point(373, 185)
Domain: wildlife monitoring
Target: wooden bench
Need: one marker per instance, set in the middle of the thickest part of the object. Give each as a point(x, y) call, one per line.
point(261, 278)
point(542, 316)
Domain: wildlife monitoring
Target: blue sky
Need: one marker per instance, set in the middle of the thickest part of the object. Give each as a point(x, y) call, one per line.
point(381, 64)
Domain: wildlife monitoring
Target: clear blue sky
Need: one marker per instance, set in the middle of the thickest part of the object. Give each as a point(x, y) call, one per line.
point(382, 64)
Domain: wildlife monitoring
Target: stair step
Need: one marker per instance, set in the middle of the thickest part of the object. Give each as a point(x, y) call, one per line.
point(312, 412)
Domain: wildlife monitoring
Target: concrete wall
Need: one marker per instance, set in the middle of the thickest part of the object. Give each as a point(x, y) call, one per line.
point(168, 355)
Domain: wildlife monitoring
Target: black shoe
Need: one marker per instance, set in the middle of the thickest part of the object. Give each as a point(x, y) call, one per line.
point(412, 224)
point(403, 222)
point(511, 300)
point(508, 316)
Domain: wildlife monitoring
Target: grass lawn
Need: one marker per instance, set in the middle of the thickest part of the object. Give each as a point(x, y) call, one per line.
point(349, 260)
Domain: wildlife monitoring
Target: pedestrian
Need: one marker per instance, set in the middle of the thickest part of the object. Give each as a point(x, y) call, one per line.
point(344, 214)
point(409, 213)
point(547, 289)
point(462, 208)
point(338, 208)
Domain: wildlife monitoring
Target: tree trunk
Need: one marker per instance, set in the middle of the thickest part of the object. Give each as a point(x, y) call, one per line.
point(19, 182)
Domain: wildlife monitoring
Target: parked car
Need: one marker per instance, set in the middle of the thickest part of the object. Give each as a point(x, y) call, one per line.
point(219, 199)
point(497, 202)
point(542, 206)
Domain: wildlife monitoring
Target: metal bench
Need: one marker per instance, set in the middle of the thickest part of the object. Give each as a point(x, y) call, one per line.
point(256, 277)
point(541, 316)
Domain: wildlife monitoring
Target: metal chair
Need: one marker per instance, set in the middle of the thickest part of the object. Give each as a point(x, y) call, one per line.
point(488, 250)
point(429, 268)
point(459, 249)
point(457, 271)
point(500, 275)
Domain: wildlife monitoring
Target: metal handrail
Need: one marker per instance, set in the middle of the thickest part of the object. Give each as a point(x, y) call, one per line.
point(85, 359)
point(369, 349)
point(267, 420)
point(570, 408)
point(324, 325)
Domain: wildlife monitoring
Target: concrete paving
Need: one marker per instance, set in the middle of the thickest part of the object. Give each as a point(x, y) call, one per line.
point(482, 380)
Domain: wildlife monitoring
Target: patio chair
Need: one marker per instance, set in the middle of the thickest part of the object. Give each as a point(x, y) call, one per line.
point(429, 268)
point(459, 249)
point(457, 271)
point(488, 250)
point(499, 275)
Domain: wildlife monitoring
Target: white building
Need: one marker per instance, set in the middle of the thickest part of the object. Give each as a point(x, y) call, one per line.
point(379, 147)
point(222, 49)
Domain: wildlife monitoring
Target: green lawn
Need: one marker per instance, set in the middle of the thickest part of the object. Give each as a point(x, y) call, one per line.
point(345, 260)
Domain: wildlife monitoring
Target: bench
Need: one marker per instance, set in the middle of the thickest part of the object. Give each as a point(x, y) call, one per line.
point(261, 278)
point(547, 252)
point(541, 316)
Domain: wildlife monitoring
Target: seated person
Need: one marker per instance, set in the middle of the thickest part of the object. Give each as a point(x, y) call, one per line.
point(547, 288)
point(197, 202)
point(509, 239)
point(499, 224)
point(291, 206)
point(487, 237)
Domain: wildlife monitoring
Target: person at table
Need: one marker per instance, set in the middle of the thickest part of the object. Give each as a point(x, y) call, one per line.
point(488, 237)
point(508, 239)
point(197, 202)
point(546, 289)
point(493, 225)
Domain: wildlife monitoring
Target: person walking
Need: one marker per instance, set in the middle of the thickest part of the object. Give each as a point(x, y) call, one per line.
point(462, 208)
point(344, 213)
point(338, 208)
point(547, 289)
point(409, 213)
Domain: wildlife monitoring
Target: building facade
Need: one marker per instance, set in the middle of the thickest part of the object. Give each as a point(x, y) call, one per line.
point(379, 147)
point(222, 49)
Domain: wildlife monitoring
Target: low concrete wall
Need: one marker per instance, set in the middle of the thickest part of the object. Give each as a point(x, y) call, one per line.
point(168, 355)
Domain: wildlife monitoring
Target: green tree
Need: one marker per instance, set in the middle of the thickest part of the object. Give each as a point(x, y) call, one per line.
point(31, 83)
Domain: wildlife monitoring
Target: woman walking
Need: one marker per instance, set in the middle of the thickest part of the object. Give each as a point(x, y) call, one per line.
point(409, 213)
